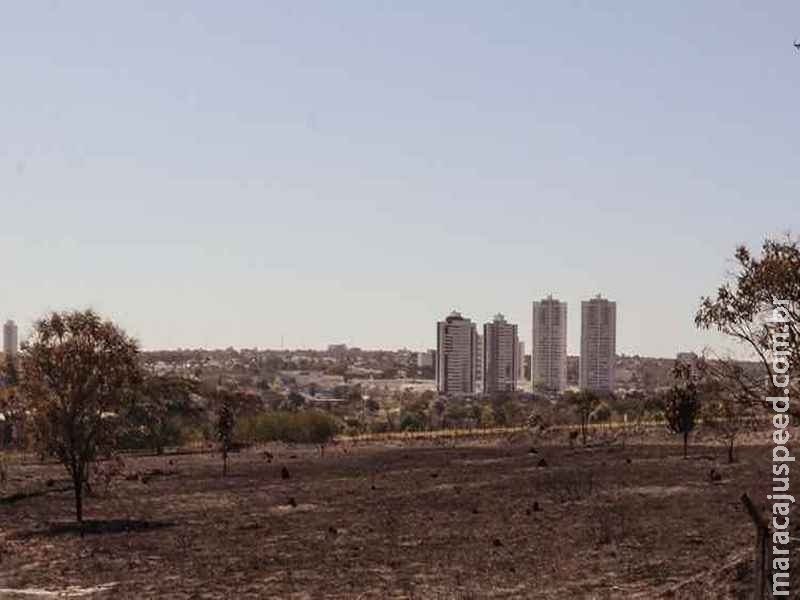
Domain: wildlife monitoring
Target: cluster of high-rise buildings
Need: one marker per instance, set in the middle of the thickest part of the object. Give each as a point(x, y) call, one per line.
point(469, 362)
point(10, 338)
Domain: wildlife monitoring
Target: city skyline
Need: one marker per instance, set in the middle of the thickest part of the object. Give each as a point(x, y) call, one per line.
point(399, 299)
point(524, 342)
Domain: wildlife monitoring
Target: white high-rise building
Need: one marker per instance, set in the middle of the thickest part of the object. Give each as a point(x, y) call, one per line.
point(598, 344)
point(456, 355)
point(549, 349)
point(10, 338)
point(500, 356)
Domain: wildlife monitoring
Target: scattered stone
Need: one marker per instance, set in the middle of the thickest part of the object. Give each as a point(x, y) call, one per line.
point(434, 475)
point(694, 538)
point(542, 463)
point(536, 507)
point(285, 473)
point(496, 543)
point(332, 530)
point(475, 511)
point(628, 460)
point(267, 455)
point(292, 502)
point(533, 451)
point(715, 475)
point(50, 483)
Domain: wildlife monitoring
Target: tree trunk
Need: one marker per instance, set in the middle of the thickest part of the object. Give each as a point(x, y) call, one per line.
point(87, 482)
point(685, 444)
point(77, 483)
point(730, 452)
point(224, 463)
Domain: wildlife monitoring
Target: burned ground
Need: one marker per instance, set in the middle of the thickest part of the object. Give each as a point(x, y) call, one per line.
point(488, 519)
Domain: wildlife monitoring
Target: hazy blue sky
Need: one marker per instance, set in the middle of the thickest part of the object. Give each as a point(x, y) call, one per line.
point(227, 173)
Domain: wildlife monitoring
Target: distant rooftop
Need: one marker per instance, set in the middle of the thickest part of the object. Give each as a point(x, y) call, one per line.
point(455, 316)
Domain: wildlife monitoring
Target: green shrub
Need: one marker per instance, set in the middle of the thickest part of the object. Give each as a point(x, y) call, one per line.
point(305, 427)
point(412, 422)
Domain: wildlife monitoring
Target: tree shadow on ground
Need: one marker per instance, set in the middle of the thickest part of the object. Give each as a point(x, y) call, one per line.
point(19, 496)
point(96, 527)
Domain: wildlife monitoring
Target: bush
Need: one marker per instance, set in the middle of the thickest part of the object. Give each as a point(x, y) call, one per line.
point(412, 422)
point(379, 427)
point(133, 437)
point(601, 414)
point(306, 427)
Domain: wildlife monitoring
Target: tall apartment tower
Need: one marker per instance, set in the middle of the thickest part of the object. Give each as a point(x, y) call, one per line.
point(456, 355)
point(521, 362)
point(500, 356)
point(598, 344)
point(549, 350)
point(10, 338)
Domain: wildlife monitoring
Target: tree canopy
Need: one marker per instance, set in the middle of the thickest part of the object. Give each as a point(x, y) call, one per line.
point(742, 306)
point(78, 372)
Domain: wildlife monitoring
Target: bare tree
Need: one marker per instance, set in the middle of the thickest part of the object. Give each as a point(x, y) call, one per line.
point(725, 409)
point(78, 371)
point(739, 310)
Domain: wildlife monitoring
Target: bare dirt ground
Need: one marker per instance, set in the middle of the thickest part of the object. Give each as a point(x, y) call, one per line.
point(488, 519)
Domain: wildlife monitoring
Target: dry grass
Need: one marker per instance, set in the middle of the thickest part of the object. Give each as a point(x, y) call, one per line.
point(402, 520)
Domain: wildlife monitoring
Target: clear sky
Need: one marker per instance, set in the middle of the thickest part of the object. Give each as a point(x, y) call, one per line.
point(230, 173)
